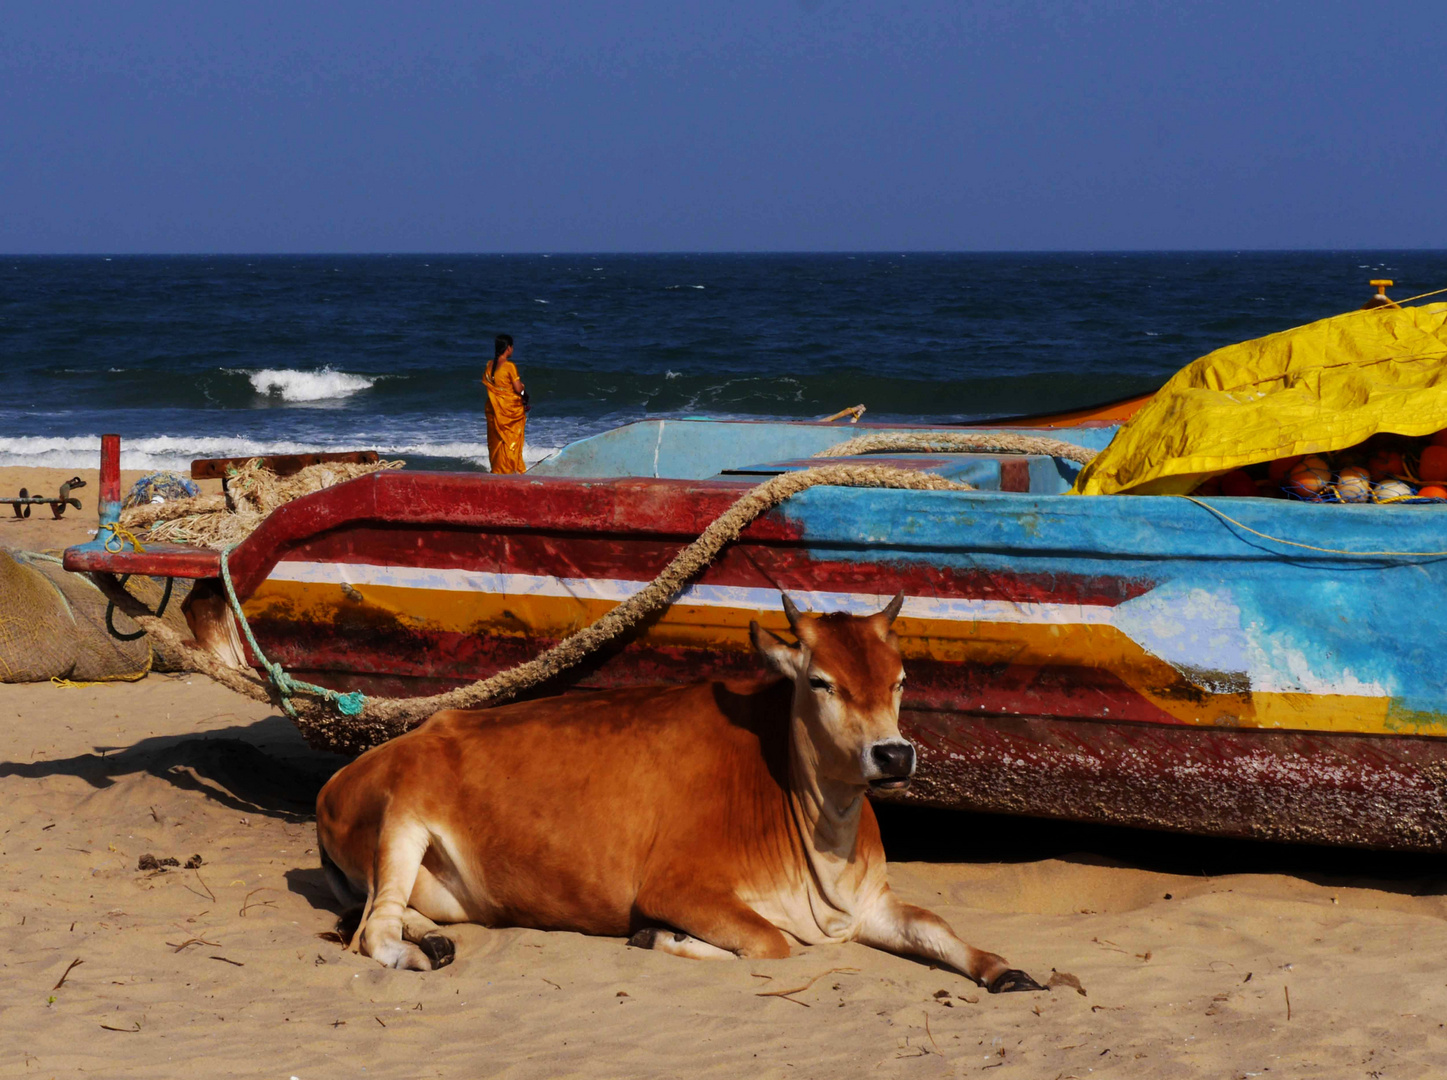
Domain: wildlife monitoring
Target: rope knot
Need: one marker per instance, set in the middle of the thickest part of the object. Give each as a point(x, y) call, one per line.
point(280, 679)
point(120, 536)
point(351, 704)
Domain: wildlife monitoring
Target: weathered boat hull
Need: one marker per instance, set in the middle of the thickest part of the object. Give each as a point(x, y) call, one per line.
point(1139, 661)
point(1304, 787)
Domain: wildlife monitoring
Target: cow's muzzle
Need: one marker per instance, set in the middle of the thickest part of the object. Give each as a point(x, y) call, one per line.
point(894, 763)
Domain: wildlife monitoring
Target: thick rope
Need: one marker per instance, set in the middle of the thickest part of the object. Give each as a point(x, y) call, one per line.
point(381, 719)
point(884, 442)
point(192, 657)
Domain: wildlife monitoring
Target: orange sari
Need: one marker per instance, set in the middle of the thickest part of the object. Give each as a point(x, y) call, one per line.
point(505, 418)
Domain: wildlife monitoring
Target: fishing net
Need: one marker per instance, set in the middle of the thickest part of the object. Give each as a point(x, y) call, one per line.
point(252, 492)
point(57, 625)
point(159, 487)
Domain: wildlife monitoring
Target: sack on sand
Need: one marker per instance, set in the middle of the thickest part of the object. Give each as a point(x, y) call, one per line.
point(53, 624)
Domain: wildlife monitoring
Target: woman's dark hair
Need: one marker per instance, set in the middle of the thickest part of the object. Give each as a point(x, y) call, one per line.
point(501, 345)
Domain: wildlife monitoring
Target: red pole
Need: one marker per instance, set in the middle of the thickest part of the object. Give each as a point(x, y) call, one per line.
point(110, 479)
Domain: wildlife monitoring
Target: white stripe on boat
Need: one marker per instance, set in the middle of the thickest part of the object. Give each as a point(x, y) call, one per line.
point(616, 590)
point(1193, 630)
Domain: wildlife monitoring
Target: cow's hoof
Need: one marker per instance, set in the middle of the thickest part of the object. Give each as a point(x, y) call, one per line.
point(650, 937)
point(439, 949)
point(348, 922)
point(1009, 981)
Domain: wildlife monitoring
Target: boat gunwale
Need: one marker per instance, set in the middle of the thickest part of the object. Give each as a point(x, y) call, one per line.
point(1001, 523)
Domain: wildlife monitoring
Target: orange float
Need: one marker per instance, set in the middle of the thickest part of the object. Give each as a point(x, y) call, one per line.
point(1433, 465)
point(1309, 477)
point(1238, 483)
point(1384, 463)
point(1281, 468)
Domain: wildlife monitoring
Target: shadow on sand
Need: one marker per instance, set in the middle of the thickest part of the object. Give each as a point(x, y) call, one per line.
point(259, 768)
point(266, 768)
point(922, 834)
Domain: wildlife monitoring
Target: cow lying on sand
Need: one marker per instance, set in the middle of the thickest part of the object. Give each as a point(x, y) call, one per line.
point(714, 820)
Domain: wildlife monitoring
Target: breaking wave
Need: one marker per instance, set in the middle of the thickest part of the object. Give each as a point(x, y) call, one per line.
point(289, 384)
point(177, 453)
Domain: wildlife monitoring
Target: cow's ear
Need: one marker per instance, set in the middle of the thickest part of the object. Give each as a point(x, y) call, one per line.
point(777, 653)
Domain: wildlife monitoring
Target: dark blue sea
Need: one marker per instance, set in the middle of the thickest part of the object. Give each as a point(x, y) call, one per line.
point(229, 355)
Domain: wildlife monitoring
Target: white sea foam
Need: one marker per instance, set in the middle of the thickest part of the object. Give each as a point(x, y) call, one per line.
point(289, 384)
point(177, 453)
point(155, 452)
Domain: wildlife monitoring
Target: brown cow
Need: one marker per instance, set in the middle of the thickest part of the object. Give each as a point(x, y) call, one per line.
point(716, 820)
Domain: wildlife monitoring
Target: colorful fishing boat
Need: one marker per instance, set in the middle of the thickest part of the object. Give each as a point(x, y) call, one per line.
point(1236, 666)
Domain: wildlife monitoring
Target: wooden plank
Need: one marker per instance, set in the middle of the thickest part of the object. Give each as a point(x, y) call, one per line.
point(281, 464)
point(159, 560)
point(1014, 475)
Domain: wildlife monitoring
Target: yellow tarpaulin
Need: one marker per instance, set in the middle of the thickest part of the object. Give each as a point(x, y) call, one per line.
point(1324, 386)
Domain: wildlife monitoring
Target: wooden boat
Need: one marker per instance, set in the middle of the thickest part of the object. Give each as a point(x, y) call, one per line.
point(1138, 661)
point(1107, 413)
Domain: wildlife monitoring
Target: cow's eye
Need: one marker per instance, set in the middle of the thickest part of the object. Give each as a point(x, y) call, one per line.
point(820, 684)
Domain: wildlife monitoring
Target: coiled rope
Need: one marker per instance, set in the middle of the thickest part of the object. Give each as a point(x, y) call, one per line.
point(380, 719)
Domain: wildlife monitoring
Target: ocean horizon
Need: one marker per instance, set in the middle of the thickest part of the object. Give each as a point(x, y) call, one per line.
point(226, 355)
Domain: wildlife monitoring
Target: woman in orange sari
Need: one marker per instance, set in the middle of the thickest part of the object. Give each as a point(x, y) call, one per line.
point(507, 406)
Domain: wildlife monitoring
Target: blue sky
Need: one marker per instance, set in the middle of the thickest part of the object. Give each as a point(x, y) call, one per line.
point(741, 126)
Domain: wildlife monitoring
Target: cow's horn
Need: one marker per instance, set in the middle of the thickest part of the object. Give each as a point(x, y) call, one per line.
point(891, 610)
point(791, 612)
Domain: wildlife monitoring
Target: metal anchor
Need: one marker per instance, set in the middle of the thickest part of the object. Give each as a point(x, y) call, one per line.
point(22, 503)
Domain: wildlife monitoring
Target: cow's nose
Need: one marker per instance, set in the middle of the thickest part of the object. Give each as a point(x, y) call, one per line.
point(894, 758)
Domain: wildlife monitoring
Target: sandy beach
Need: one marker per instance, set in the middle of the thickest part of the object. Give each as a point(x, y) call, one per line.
point(41, 531)
point(1135, 319)
point(1198, 958)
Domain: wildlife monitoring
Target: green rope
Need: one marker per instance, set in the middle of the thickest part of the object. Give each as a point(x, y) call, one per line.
point(350, 704)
